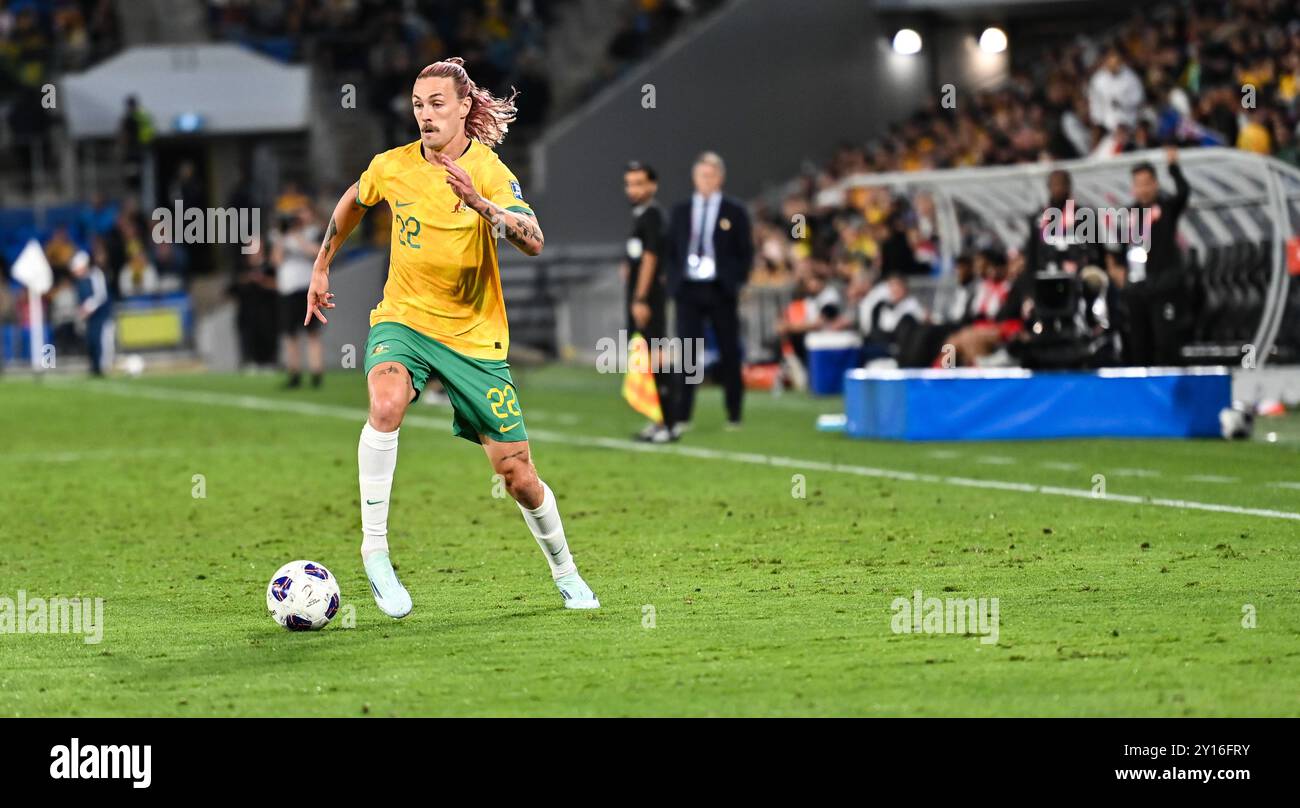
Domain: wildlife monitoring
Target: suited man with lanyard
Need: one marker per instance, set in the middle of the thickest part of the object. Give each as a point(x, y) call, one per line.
point(711, 252)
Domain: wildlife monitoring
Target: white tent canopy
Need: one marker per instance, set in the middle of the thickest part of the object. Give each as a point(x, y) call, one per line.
point(227, 89)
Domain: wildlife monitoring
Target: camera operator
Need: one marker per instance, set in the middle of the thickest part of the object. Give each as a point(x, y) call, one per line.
point(1052, 245)
point(1068, 304)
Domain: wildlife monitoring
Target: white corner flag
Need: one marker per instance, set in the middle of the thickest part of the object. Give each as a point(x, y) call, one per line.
point(33, 271)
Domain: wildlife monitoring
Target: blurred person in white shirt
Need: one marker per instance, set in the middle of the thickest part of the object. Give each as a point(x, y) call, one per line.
point(293, 253)
point(1115, 93)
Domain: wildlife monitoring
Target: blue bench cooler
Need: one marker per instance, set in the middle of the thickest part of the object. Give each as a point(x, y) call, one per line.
point(1017, 404)
point(830, 355)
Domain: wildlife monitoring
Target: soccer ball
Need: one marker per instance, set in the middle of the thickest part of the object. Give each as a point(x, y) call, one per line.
point(1236, 423)
point(302, 596)
point(133, 364)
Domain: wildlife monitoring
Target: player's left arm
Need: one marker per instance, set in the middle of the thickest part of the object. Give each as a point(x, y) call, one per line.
point(519, 227)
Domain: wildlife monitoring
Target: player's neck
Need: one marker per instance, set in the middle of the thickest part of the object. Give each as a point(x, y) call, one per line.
point(455, 148)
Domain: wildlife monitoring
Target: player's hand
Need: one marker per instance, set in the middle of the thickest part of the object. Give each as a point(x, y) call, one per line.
point(459, 180)
point(641, 314)
point(319, 296)
point(1171, 154)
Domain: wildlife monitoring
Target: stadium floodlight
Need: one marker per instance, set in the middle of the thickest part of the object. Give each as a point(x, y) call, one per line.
point(907, 42)
point(993, 40)
point(188, 122)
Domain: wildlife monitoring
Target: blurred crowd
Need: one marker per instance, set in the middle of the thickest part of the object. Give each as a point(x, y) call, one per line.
point(1174, 74)
point(643, 27)
point(389, 42)
point(39, 40)
point(99, 252)
point(1192, 73)
point(378, 44)
point(1197, 73)
point(269, 286)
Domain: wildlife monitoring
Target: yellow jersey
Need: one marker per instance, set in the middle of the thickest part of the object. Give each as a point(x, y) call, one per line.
point(443, 278)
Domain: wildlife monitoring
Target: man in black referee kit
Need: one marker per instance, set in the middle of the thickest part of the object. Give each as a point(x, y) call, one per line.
point(643, 271)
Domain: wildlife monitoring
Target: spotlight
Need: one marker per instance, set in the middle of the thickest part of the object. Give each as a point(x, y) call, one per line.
point(907, 42)
point(993, 40)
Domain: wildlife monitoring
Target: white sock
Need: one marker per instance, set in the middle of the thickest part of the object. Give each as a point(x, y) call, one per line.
point(376, 461)
point(544, 522)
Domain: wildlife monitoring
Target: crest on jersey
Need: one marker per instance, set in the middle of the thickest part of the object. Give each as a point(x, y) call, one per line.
point(514, 189)
point(380, 348)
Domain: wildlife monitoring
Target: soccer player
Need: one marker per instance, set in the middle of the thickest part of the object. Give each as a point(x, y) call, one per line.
point(442, 314)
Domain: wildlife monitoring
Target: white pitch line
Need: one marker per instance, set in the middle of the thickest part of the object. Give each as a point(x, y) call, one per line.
point(358, 415)
point(1134, 473)
point(1209, 478)
point(85, 455)
point(1059, 466)
point(994, 460)
point(1291, 485)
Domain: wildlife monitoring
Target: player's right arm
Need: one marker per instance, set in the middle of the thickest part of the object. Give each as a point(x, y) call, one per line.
point(347, 214)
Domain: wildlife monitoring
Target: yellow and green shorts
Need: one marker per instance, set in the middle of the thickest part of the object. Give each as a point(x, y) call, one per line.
point(482, 392)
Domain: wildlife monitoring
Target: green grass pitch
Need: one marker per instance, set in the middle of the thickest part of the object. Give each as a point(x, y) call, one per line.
point(723, 591)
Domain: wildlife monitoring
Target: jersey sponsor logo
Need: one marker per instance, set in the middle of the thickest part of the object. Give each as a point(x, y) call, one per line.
point(404, 204)
point(505, 429)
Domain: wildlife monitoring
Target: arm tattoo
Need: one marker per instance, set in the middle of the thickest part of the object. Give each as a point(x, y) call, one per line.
point(326, 248)
point(517, 228)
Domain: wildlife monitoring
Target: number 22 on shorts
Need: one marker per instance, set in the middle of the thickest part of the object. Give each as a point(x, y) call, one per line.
point(504, 398)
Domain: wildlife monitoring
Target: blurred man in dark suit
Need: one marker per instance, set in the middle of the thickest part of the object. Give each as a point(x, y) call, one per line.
point(710, 252)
